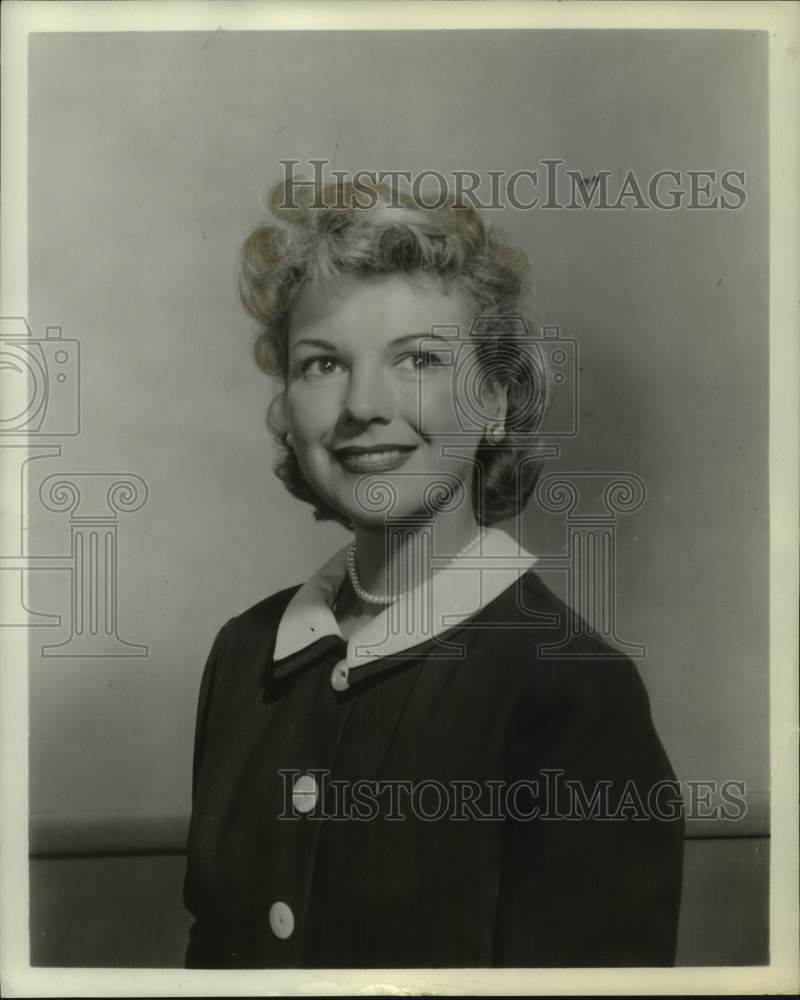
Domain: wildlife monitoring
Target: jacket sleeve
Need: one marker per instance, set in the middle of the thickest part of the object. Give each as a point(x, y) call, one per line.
point(196, 949)
point(593, 856)
point(204, 701)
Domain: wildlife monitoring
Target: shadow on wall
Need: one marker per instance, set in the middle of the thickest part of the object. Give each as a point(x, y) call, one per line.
point(125, 911)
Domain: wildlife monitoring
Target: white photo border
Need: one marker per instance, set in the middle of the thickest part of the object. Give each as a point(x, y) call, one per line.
point(782, 21)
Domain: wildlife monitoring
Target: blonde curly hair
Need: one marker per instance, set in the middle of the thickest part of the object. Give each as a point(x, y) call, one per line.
point(370, 230)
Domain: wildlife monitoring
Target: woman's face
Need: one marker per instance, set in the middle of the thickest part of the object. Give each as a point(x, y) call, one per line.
point(371, 394)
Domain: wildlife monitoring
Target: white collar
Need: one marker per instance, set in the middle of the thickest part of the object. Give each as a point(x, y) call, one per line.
point(453, 593)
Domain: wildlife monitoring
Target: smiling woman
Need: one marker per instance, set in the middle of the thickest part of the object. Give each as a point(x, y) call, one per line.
point(362, 407)
point(375, 749)
point(434, 274)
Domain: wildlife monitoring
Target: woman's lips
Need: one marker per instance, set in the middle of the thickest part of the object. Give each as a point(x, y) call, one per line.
point(374, 461)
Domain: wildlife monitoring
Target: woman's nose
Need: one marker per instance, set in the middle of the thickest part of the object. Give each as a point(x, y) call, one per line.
point(369, 396)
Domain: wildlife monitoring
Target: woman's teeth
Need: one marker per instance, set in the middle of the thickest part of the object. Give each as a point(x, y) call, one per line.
point(372, 459)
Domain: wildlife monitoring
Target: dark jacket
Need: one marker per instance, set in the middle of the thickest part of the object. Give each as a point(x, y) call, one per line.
point(470, 849)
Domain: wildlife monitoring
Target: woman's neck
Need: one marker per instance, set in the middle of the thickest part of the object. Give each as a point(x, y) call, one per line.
point(395, 558)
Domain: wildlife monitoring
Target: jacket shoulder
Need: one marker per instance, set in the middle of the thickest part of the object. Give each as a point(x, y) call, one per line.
point(584, 643)
point(263, 616)
point(244, 642)
point(235, 664)
point(587, 681)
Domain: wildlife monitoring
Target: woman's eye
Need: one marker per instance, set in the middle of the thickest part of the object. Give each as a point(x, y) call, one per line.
point(420, 360)
point(320, 366)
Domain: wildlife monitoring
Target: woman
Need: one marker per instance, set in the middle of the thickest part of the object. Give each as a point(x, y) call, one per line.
point(388, 773)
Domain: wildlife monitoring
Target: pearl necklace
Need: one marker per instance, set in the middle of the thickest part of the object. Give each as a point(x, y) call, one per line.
point(369, 598)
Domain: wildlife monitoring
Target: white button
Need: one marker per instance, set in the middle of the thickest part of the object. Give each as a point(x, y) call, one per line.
point(304, 793)
point(339, 679)
point(281, 920)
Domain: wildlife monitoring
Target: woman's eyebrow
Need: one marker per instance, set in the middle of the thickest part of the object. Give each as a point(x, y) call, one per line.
point(423, 335)
point(326, 345)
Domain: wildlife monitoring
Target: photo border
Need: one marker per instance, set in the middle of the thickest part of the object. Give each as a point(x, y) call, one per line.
point(782, 21)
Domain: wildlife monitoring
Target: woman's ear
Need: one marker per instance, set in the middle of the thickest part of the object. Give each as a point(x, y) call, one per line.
point(495, 399)
point(283, 409)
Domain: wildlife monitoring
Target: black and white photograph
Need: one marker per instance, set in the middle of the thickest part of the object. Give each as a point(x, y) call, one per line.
point(399, 550)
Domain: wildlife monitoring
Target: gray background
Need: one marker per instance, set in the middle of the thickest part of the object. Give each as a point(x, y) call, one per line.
point(149, 154)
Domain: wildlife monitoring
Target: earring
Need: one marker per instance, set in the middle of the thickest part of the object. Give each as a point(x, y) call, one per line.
point(289, 442)
point(495, 432)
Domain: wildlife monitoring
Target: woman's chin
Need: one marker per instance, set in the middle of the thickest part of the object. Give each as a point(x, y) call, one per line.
point(378, 502)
